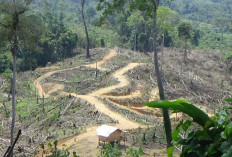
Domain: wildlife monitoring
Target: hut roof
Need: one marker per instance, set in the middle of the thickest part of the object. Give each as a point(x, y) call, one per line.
point(106, 130)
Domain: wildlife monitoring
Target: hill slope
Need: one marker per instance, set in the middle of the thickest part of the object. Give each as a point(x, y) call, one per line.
point(202, 10)
point(202, 79)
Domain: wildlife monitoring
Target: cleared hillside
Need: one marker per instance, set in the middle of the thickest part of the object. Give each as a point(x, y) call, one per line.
point(202, 79)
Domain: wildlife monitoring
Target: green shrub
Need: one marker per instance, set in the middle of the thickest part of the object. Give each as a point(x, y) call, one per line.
point(213, 139)
point(228, 55)
point(135, 153)
point(206, 142)
point(113, 151)
point(110, 151)
point(53, 151)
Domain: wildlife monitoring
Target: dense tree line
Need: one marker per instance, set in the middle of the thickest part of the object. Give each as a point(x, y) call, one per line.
point(202, 11)
point(43, 38)
point(59, 29)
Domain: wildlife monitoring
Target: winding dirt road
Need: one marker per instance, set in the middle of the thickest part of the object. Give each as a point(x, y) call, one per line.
point(38, 83)
point(86, 143)
point(100, 64)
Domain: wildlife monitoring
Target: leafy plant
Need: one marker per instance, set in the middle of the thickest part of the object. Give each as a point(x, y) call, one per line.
point(113, 151)
point(213, 139)
point(229, 100)
point(7, 74)
point(110, 151)
point(183, 106)
point(134, 153)
point(228, 55)
point(6, 61)
point(208, 142)
point(53, 151)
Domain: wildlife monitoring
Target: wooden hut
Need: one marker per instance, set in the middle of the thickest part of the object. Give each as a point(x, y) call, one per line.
point(109, 134)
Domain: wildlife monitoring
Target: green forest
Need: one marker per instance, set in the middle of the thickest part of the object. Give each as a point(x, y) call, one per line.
point(57, 29)
point(69, 66)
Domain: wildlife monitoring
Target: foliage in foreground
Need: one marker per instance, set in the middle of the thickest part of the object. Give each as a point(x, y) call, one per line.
point(108, 151)
point(113, 151)
point(184, 106)
point(53, 151)
point(214, 138)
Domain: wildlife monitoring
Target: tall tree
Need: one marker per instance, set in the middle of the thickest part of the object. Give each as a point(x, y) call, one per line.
point(149, 7)
point(167, 122)
point(14, 27)
point(13, 10)
point(86, 30)
point(185, 33)
point(165, 20)
point(58, 41)
point(141, 33)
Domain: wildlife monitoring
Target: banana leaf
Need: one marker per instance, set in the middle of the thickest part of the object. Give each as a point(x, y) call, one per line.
point(184, 106)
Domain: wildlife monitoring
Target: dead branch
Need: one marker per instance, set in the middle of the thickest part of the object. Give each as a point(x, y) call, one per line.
point(99, 116)
point(11, 148)
point(168, 84)
point(54, 108)
point(187, 88)
point(179, 149)
point(152, 80)
point(67, 107)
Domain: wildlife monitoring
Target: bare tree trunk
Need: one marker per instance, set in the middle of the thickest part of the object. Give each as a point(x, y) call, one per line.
point(96, 69)
point(13, 102)
point(163, 39)
point(86, 30)
point(14, 51)
point(43, 103)
point(10, 149)
point(185, 52)
point(17, 11)
point(167, 123)
point(185, 55)
point(162, 58)
point(135, 43)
